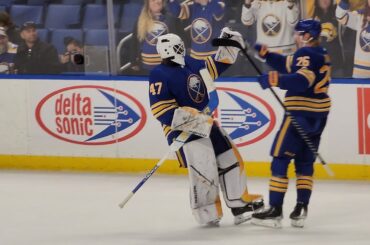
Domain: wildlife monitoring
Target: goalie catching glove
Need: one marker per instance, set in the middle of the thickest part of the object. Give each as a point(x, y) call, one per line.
point(192, 121)
point(227, 54)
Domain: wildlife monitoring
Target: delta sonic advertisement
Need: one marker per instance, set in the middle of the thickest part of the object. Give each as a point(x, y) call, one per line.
point(247, 117)
point(114, 120)
point(87, 116)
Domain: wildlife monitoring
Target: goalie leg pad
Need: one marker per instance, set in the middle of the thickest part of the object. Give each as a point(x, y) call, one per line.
point(204, 183)
point(233, 180)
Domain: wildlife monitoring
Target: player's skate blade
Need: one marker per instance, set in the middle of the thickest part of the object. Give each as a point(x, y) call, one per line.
point(240, 219)
point(271, 223)
point(270, 217)
point(299, 215)
point(299, 223)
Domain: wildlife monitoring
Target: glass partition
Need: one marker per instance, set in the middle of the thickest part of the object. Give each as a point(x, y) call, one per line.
point(118, 37)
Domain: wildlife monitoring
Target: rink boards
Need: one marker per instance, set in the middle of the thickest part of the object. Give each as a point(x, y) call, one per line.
point(100, 124)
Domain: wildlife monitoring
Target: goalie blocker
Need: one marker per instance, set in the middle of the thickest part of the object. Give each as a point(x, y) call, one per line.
point(192, 121)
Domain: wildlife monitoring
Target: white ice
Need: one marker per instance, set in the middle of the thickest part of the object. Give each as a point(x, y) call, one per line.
point(47, 208)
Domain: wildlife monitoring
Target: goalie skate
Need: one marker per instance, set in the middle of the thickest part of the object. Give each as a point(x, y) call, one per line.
point(213, 223)
point(241, 214)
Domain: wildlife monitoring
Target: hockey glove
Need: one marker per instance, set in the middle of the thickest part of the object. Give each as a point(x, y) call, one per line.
point(262, 50)
point(269, 80)
point(228, 55)
point(192, 121)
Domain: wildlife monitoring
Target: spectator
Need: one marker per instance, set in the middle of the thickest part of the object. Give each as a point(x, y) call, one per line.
point(73, 59)
point(8, 51)
point(324, 11)
point(153, 22)
point(275, 22)
point(206, 17)
point(360, 22)
point(309, 6)
point(11, 29)
point(35, 56)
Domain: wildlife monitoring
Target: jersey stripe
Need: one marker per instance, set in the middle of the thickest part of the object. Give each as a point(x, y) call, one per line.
point(282, 136)
point(308, 74)
point(155, 105)
point(160, 113)
point(289, 62)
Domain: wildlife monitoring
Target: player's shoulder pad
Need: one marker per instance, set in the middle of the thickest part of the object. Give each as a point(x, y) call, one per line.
point(194, 64)
point(304, 51)
point(316, 57)
point(156, 74)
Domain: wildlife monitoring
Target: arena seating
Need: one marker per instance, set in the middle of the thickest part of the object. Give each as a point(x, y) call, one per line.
point(60, 16)
point(23, 13)
point(57, 37)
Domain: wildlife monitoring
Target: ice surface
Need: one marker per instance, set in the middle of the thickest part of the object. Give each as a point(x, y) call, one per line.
point(47, 208)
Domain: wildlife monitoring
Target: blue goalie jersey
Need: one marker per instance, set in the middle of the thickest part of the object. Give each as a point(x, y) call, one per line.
point(171, 87)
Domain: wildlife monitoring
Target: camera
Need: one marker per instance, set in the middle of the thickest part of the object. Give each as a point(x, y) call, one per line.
point(76, 58)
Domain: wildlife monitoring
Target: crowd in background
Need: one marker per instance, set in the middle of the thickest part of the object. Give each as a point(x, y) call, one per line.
point(345, 24)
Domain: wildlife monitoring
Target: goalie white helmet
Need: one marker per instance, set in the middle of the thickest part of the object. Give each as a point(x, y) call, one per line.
point(171, 46)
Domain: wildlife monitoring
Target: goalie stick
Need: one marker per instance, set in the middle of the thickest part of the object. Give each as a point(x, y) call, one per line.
point(232, 43)
point(183, 137)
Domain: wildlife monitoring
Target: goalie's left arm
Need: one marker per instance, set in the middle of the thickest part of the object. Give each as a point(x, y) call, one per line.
point(223, 59)
point(229, 54)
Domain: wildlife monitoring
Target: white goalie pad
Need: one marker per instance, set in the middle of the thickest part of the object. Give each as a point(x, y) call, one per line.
point(233, 180)
point(192, 121)
point(225, 54)
point(204, 186)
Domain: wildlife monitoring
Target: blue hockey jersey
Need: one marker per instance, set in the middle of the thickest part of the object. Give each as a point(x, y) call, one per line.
point(206, 24)
point(171, 87)
point(306, 76)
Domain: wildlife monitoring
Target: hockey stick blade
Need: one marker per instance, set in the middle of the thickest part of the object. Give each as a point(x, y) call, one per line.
point(217, 42)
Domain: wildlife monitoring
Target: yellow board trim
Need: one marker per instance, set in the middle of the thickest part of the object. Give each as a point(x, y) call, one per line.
point(86, 164)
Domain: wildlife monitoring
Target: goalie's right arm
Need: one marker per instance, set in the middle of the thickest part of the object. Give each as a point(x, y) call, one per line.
point(162, 103)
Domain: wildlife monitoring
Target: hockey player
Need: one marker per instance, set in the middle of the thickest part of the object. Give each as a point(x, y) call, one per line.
point(360, 22)
point(177, 96)
point(306, 77)
point(275, 21)
point(206, 18)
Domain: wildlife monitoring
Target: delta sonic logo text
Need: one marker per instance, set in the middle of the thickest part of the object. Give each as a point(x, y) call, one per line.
point(90, 115)
point(246, 117)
